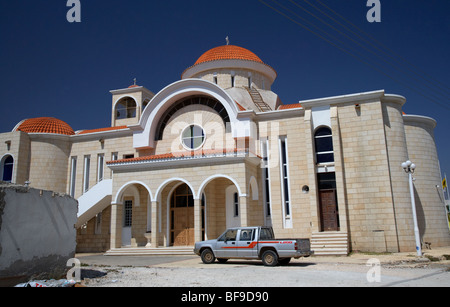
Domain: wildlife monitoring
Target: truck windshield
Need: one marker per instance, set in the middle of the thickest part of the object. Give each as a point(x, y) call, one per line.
point(266, 234)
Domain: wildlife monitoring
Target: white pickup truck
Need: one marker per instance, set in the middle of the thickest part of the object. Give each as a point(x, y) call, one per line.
point(252, 243)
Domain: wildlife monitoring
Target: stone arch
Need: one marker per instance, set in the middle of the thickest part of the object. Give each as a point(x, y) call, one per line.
point(171, 180)
point(120, 193)
point(211, 178)
point(145, 132)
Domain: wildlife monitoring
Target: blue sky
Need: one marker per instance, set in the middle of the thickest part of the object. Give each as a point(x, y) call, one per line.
point(50, 67)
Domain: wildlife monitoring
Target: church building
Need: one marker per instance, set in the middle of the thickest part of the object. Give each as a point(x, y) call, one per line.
point(219, 149)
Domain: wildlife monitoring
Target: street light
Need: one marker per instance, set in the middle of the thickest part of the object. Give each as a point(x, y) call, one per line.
point(409, 168)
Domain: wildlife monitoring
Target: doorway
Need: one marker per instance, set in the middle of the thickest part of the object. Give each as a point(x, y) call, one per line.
point(127, 222)
point(182, 217)
point(329, 210)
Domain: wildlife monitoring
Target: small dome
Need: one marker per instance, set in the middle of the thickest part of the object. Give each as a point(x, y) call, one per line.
point(45, 125)
point(228, 52)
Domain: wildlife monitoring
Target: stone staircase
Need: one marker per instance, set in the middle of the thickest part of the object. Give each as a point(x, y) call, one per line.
point(334, 243)
point(258, 100)
point(143, 251)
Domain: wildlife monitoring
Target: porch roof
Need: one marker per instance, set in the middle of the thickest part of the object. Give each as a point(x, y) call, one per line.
point(185, 155)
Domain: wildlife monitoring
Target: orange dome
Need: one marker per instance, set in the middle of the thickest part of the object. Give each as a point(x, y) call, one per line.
point(45, 125)
point(228, 52)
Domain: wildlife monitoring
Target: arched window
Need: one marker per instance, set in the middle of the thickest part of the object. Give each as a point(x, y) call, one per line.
point(323, 140)
point(126, 108)
point(192, 100)
point(7, 168)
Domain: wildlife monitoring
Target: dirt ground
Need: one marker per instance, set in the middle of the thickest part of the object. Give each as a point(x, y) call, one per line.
point(356, 270)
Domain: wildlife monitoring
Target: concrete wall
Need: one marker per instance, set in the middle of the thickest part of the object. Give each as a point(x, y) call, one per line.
point(37, 234)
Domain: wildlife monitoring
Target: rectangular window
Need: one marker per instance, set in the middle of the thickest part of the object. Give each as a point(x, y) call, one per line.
point(215, 78)
point(266, 175)
point(232, 81)
point(87, 168)
point(128, 216)
point(100, 167)
point(98, 224)
point(114, 156)
point(73, 175)
point(284, 166)
point(236, 204)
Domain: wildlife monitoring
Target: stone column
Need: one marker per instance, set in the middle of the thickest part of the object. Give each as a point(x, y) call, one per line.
point(155, 224)
point(198, 220)
point(339, 169)
point(116, 225)
point(243, 210)
point(313, 188)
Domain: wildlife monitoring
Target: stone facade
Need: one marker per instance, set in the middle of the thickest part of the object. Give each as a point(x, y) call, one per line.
point(251, 168)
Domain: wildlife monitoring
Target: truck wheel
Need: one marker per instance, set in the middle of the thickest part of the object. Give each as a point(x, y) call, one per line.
point(208, 256)
point(270, 258)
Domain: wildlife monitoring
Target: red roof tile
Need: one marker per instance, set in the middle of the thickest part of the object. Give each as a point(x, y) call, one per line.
point(103, 130)
point(228, 52)
point(185, 154)
point(241, 108)
point(45, 125)
point(290, 106)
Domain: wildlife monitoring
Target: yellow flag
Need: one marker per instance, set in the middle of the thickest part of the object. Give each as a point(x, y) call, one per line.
point(444, 183)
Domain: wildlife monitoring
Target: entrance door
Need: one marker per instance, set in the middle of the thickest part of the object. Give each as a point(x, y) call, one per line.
point(183, 226)
point(329, 211)
point(127, 223)
point(182, 217)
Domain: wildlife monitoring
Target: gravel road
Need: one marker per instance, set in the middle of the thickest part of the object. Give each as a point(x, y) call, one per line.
point(187, 271)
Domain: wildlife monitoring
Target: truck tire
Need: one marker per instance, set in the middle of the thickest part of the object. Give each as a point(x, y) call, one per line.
point(270, 258)
point(208, 256)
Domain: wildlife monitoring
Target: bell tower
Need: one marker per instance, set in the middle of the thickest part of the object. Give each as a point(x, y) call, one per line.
point(128, 104)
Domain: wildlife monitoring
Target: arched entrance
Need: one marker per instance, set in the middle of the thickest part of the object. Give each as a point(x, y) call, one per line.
point(133, 215)
point(182, 216)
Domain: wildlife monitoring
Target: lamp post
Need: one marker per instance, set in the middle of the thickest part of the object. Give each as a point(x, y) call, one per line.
point(409, 168)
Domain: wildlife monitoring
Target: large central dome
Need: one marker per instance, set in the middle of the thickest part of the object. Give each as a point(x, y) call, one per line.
point(233, 59)
point(228, 52)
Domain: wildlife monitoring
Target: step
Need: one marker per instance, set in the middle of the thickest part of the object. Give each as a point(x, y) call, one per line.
point(170, 251)
point(330, 243)
point(330, 252)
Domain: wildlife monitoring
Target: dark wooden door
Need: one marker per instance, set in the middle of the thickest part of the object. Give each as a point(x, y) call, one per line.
point(328, 209)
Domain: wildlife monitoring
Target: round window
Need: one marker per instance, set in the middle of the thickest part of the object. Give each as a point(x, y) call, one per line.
point(193, 137)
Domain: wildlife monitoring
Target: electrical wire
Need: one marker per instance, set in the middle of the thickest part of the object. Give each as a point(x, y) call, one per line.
point(337, 43)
